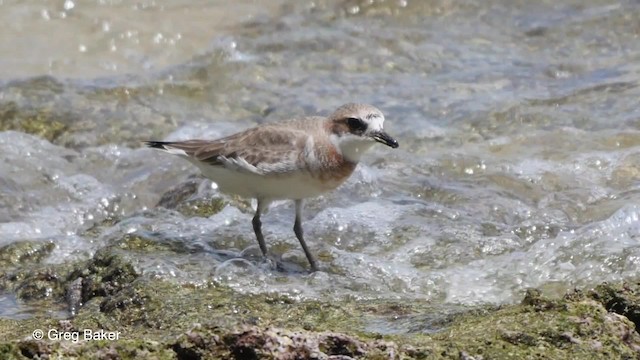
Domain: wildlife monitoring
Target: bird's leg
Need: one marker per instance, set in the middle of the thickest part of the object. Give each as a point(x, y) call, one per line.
point(257, 227)
point(297, 229)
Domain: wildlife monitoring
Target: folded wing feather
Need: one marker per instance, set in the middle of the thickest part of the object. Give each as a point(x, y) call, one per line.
point(265, 150)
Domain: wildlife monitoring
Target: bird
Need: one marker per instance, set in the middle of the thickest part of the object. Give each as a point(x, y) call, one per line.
point(292, 159)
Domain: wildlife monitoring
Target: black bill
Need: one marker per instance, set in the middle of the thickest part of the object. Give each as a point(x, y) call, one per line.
point(383, 137)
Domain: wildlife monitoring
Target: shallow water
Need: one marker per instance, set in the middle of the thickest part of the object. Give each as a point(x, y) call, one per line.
point(518, 124)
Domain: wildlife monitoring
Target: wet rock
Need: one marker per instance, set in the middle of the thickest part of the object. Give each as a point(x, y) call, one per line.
point(519, 337)
point(38, 284)
point(70, 114)
point(623, 299)
point(201, 208)
point(122, 300)
point(182, 198)
point(74, 284)
point(465, 356)
point(42, 122)
point(160, 319)
point(274, 343)
point(543, 328)
point(99, 227)
point(25, 252)
point(534, 299)
point(193, 345)
point(34, 349)
point(38, 87)
point(74, 295)
point(105, 275)
point(179, 193)
point(139, 242)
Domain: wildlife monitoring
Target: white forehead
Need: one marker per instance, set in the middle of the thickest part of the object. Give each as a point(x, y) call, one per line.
point(374, 119)
point(367, 113)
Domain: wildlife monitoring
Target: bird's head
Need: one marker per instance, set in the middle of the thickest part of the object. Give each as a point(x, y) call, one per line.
point(356, 127)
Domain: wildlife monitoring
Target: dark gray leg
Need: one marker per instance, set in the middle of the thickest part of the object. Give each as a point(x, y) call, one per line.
point(257, 228)
point(297, 229)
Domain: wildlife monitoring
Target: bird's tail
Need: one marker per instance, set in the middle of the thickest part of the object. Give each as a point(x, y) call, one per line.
point(157, 144)
point(176, 148)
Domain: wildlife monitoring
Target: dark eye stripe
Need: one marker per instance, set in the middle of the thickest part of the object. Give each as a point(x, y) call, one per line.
point(356, 125)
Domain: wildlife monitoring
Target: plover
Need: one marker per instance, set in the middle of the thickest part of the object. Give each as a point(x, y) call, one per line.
point(292, 159)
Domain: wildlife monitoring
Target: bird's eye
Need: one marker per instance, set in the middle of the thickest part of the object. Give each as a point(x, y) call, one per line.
point(356, 125)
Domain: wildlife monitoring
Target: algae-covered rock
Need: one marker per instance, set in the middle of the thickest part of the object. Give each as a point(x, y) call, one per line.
point(201, 208)
point(42, 122)
point(82, 349)
point(105, 274)
point(33, 283)
point(576, 327)
point(274, 343)
point(179, 193)
point(138, 242)
point(24, 252)
point(621, 298)
point(182, 198)
point(175, 308)
point(158, 319)
point(71, 114)
point(39, 284)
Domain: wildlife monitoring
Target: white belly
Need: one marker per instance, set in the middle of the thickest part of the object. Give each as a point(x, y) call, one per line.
point(297, 185)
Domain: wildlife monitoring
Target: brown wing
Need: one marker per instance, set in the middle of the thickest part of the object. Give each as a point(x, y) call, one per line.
point(267, 149)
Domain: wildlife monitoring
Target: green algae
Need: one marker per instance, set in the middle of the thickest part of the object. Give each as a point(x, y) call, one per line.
point(621, 298)
point(42, 122)
point(139, 242)
point(68, 285)
point(570, 328)
point(74, 115)
point(97, 228)
point(24, 252)
point(201, 208)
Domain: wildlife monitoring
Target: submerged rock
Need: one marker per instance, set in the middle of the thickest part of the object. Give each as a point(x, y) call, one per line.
point(44, 122)
point(71, 114)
